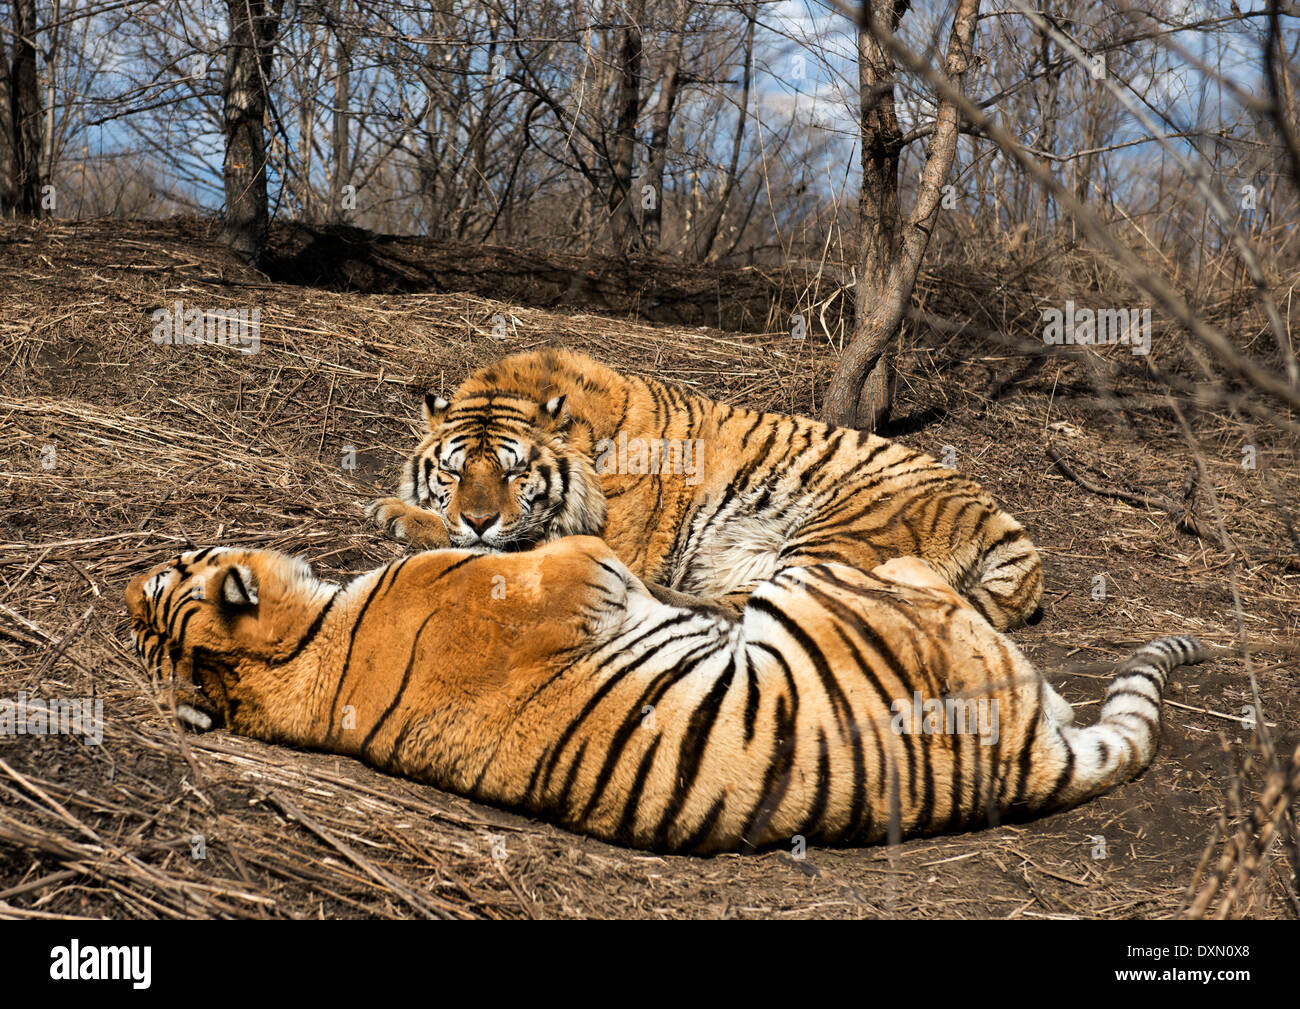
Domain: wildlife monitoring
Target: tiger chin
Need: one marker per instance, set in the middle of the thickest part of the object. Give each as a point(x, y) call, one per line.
point(553, 683)
point(706, 499)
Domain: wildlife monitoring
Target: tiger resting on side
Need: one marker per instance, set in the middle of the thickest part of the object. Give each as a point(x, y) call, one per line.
point(580, 698)
point(702, 498)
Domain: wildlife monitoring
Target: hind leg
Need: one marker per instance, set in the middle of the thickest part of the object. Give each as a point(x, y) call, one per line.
point(725, 606)
point(916, 573)
point(909, 571)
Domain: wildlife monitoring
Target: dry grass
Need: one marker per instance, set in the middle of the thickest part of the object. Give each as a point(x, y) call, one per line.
point(157, 448)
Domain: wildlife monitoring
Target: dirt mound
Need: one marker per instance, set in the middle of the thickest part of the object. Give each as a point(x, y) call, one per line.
point(120, 451)
point(659, 290)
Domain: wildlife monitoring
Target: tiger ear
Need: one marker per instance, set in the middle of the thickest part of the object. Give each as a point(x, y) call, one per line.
point(435, 408)
point(554, 414)
point(237, 589)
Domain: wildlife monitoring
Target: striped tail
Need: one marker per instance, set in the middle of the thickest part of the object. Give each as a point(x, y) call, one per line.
point(1123, 742)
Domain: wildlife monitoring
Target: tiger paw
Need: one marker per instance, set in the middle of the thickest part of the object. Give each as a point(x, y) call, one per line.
point(407, 523)
point(387, 513)
point(192, 710)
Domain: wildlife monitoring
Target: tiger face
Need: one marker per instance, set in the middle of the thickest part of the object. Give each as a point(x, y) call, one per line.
point(504, 473)
point(228, 608)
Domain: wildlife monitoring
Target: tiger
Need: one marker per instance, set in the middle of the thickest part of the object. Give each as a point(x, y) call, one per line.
point(843, 707)
point(700, 498)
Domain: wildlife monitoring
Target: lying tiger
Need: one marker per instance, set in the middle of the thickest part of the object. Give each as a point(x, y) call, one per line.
point(704, 499)
point(552, 682)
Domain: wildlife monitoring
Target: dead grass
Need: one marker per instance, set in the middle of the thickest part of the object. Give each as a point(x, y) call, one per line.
point(156, 449)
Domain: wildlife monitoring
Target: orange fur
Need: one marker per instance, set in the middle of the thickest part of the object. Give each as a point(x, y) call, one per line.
point(551, 681)
point(700, 497)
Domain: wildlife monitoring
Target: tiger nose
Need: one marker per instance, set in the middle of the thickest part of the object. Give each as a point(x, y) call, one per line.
point(480, 523)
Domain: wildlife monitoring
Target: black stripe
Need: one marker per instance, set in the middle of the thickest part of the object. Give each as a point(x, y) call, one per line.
point(651, 695)
point(1155, 679)
point(311, 632)
point(925, 810)
point(561, 803)
point(1125, 692)
point(1026, 759)
point(182, 613)
point(828, 450)
point(813, 824)
point(860, 807)
point(1063, 779)
point(694, 841)
point(834, 692)
point(690, 755)
point(179, 635)
point(347, 659)
point(625, 833)
point(956, 808)
point(753, 697)
point(872, 638)
point(401, 688)
point(873, 507)
point(1152, 724)
point(780, 765)
point(615, 677)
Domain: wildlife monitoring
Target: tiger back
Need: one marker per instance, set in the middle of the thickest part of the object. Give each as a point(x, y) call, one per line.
point(705, 498)
point(843, 707)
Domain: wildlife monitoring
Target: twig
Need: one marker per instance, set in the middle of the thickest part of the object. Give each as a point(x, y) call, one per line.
point(416, 900)
point(1184, 520)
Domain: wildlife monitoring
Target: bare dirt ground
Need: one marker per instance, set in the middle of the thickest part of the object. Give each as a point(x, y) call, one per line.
point(118, 453)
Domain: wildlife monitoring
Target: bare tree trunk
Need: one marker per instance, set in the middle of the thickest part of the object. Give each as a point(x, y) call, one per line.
point(435, 187)
point(51, 61)
point(891, 252)
point(24, 124)
point(303, 191)
point(8, 192)
point(430, 163)
point(253, 27)
point(862, 386)
point(707, 233)
point(342, 152)
point(1051, 108)
point(622, 223)
point(652, 222)
point(477, 182)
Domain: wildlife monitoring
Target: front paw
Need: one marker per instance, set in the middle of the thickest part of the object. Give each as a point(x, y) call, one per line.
point(191, 708)
point(390, 514)
point(408, 523)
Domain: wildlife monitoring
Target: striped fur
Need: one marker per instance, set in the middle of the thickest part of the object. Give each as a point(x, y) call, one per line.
point(550, 681)
point(720, 499)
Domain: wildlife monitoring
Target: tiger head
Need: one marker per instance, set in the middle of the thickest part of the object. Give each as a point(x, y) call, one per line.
point(215, 623)
point(505, 472)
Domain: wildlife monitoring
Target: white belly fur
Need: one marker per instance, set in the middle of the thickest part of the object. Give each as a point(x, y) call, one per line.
point(738, 556)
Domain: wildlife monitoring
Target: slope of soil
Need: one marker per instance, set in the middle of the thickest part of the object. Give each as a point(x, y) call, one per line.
point(118, 453)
